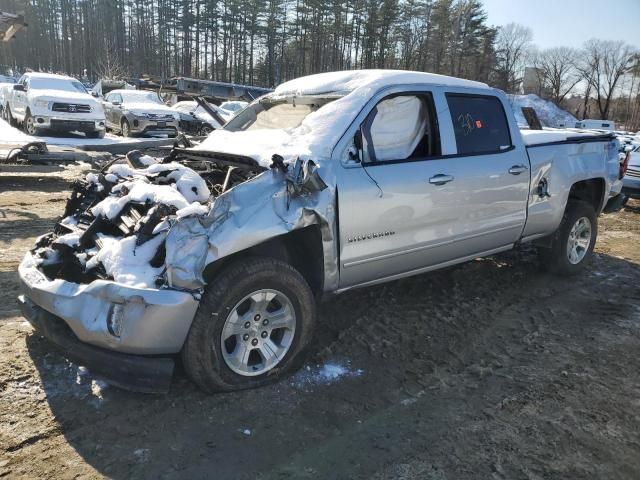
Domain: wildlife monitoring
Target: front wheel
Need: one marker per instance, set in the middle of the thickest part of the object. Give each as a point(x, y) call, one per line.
point(573, 243)
point(125, 128)
point(253, 324)
point(30, 125)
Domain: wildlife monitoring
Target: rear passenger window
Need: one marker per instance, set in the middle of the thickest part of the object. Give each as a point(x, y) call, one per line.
point(479, 123)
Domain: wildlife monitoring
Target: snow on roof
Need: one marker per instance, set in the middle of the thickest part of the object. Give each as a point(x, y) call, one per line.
point(48, 75)
point(320, 130)
point(350, 80)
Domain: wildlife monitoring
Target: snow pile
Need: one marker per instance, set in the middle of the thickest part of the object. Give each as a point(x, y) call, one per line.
point(10, 135)
point(324, 374)
point(127, 262)
point(181, 187)
point(316, 136)
point(170, 184)
point(549, 113)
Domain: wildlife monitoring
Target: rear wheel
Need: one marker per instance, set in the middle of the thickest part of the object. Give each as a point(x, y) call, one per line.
point(573, 243)
point(253, 324)
point(8, 116)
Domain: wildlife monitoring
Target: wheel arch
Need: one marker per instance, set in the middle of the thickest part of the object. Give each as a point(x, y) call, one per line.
point(301, 248)
point(590, 191)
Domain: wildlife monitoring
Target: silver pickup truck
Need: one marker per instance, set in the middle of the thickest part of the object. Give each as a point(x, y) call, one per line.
point(220, 251)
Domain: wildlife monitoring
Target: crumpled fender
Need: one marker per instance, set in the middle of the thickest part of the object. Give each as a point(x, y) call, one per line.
point(247, 215)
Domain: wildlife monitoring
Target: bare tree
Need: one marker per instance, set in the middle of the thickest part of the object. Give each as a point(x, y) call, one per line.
point(605, 62)
point(557, 71)
point(109, 66)
point(512, 49)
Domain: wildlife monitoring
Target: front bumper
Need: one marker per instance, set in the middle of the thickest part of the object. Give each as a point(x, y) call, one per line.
point(132, 372)
point(149, 322)
point(60, 123)
point(142, 126)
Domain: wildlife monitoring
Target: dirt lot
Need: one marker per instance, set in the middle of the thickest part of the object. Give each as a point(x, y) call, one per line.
point(488, 370)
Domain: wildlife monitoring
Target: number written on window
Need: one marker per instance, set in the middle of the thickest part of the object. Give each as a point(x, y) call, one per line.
point(479, 123)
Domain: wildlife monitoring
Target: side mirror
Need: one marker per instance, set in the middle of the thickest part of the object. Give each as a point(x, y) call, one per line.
point(95, 94)
point(19, 87)
point(354, 152)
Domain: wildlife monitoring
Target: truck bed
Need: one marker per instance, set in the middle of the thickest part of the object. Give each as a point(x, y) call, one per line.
point(532, 138)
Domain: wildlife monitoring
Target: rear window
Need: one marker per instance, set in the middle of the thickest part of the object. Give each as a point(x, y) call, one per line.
point(479, 123)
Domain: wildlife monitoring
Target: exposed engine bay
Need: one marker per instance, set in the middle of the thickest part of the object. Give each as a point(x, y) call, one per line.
point(115, 224)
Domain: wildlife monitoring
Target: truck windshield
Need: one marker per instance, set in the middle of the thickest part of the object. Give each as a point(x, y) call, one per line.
point(57, 84)
point(269, 114)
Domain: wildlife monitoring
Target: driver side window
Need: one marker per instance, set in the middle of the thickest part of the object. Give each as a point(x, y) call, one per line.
point(401, 128)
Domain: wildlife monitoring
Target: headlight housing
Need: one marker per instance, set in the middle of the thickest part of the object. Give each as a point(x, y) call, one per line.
point(176, 116)
point(41, 104)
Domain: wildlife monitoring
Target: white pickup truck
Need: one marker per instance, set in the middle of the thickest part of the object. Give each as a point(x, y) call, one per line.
point(332, 182)
point(43, 102)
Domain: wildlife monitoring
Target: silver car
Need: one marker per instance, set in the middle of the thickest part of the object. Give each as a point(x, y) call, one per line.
point(139, 113)
point(631, 180)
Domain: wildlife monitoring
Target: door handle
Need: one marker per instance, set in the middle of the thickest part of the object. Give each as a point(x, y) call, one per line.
point(517, 169)
point(440, 179)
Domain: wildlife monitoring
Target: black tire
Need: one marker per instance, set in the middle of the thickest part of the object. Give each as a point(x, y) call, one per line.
point(205, 131)
point(9, 117)
point(125, 128)
point(556, 259)
point(98, 134)
point(29, 125)
point(202, 354)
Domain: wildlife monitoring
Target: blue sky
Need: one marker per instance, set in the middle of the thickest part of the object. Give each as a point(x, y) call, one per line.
point(570, 22)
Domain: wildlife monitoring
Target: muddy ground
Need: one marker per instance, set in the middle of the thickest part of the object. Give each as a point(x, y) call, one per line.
point(488, 370)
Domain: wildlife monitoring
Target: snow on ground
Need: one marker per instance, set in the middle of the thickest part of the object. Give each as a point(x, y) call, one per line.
point(549, 113)
point(324, 374)
point(13, 136)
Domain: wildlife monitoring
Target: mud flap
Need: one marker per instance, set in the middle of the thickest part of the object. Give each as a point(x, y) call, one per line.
point(131, 372)
point(615, 203)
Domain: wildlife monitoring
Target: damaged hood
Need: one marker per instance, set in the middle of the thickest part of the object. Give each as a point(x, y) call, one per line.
point(260, 145)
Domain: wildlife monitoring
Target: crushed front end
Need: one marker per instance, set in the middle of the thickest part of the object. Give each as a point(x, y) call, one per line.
point(98, 287)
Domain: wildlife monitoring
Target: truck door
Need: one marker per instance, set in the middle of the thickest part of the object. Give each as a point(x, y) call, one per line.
point(410, 205)
point(19, 104)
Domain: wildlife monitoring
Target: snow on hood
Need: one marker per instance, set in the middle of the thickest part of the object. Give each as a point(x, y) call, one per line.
point(142, 107)
point(127, 262)
point(61, 95)
point(320, 130)
point(184, 187)
point(123, 259)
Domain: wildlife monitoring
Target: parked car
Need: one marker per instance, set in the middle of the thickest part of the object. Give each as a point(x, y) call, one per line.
point(631, 180)
point(139, 112)
point(6, 85)
point(606, 125)
point(233, 106)
point(224, 267)
point(194, 120)
point(41, 102)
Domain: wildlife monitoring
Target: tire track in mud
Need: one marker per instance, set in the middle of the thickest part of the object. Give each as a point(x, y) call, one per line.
point(512, 371)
